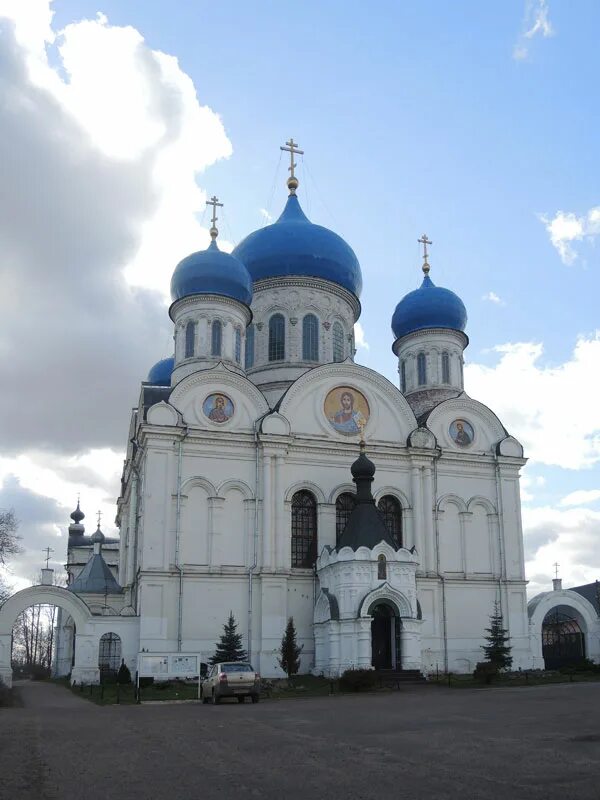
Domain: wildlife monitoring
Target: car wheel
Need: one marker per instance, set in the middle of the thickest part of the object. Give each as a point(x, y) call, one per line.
point(203, 698)
point(215, 698)
point(255, 698)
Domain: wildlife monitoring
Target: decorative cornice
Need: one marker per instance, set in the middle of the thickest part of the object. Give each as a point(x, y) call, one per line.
point(301, 282)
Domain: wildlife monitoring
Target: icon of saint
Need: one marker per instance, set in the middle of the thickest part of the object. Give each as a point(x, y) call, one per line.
point(347, 419)
point(461, 437)
point(218, 412)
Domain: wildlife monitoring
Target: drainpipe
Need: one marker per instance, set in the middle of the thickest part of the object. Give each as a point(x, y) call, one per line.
point(178, 566)
point(136, 519)
point(437, 561)
point(253, 565)
point(501, 552)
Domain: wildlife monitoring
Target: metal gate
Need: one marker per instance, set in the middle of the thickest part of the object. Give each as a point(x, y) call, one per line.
point(563, 641)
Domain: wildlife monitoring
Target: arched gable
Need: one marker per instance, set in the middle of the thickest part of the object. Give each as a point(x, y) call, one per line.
point(189, 395)
point(382, 593)
point(349, 488)
point(43, 595)
point(454, 499)
point(391, 419)
point(199, 481)
point(307, 486)
point(233, 483)
point(394, 491)
point(541, 604)
point(487, 430)
point(479, 500)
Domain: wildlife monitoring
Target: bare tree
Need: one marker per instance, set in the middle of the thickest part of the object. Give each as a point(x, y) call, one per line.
point(9, 539)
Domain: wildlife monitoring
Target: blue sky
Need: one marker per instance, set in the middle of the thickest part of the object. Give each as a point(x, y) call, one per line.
point(474, 122)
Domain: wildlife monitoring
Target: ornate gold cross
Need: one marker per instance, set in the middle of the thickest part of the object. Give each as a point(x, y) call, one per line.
point(214, 202)
point(425, 241)
point(292, 148)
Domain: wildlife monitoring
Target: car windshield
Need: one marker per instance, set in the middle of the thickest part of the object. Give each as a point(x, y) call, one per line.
point(236, 668)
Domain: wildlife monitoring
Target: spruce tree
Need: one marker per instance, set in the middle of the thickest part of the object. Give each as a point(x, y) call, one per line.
point(229, 648)
point(289, 659)
point(497, 650)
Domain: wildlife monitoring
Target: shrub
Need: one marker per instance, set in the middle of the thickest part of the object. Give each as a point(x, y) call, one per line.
point(485, 671)
point(357, 680)
point(123, 675)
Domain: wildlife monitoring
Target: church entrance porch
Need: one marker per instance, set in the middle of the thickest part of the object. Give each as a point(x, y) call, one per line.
point(385, 637)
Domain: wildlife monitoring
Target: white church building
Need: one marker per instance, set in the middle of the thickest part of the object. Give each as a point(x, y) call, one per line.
point(244, 487)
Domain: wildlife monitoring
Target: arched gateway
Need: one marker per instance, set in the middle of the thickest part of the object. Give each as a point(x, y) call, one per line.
point(85, 667)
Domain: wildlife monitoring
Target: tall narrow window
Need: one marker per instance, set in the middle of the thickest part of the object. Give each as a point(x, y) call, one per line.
point(343, 508)
point(310, 338)
point(190, 336)
point(338, 342)
point(391, 511)
point(216, 336)
point(238, 345)
point(445, 368)
point(304, 529)
point(277, 338)
point(381, 568)
point(249, 355)
point(421, 369)
point(403, 376)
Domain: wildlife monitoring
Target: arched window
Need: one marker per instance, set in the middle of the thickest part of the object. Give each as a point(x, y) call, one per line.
point(304, 529)
point(238, 345)
point(381, 568)
point(391, 511)
point(338, 342)
point(277, 338)
point(190, 337)
point(216, 336)
point(310, 338)
point(445, 368)
point(343, 508)
point(109, 654)
point(421, 369)
point(249, 355)
point(403, 376)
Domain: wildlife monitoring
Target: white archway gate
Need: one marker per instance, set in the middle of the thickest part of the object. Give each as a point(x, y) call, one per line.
point(86, 663)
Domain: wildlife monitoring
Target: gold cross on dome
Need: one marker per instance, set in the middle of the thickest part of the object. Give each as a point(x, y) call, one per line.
point(556, 565)
point(292, 148)
point(214, 202)
point(425, 241)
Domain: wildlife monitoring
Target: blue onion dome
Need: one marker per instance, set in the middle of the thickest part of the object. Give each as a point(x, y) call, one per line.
point(160, 374)
point(212, 271)
point(77, 516)
point(429, 306)
point(97, 536)
point(295, 246)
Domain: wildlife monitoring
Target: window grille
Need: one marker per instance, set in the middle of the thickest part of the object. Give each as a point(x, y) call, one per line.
point(343, 508)
point(109, 654)
point(310, 338)
point(190, 337)
point(391, 511)
point(276, 338)
point(304, 529)
point(403, 376)
point(445, 368)
point(238, 345)
point(338, 342)
point(249, 354)
point(421, 369)
point(216, 334)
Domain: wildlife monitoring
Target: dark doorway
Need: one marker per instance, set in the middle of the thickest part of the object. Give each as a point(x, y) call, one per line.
point(384, 630)
point(563, 641)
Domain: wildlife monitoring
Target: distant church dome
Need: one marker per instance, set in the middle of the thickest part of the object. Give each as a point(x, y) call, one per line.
point(429, 306)
point(295, 246)
point(160, 374)
point(211, 271)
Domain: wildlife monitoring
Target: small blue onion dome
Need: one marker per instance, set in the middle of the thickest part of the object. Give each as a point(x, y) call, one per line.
point(212, 271)
point(160, 374)
point(295, 246)
point(429, 306)
point(97, 536)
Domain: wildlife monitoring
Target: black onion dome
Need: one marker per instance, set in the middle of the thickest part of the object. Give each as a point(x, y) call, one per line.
point(77, 515)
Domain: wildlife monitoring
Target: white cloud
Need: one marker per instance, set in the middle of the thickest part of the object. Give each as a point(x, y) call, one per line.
point(529, 483)
point(569, 537)
point(492, 297)
point(566, 228)
point(359, 336)
point(266, 216)
point(536, 22)
point(533, 400)
point(581, 497)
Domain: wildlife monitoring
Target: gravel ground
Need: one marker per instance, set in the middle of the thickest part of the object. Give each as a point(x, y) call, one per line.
point(429, 742)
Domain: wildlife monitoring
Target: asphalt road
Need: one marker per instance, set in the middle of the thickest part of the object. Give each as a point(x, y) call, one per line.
point(431, 743)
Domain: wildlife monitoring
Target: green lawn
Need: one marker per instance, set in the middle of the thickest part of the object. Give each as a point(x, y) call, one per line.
point(111, 693)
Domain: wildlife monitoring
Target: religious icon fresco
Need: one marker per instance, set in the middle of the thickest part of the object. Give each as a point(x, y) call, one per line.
point(347, 410)
point(462, 432)
point(218, 407)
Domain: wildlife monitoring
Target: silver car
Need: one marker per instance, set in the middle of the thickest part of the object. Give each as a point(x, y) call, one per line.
point(231, 679)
